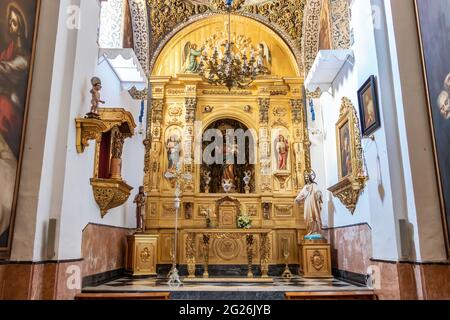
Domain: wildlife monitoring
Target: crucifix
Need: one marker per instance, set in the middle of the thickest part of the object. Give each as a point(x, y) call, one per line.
point(180, 178)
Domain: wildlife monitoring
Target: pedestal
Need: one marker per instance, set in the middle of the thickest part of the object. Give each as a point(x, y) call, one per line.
point(141, 254)
point(316, 259)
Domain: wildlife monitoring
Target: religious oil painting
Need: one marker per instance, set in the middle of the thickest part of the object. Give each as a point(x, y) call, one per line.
point(345, 154)
point(325, 29)
point(368, 107)
point(434, 25)
point(18, 23)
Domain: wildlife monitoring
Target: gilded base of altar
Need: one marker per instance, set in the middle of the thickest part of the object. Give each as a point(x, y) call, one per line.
point(316, 259)
point(141, 256)
point(228, 280)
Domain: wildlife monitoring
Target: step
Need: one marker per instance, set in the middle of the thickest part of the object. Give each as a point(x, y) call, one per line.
point(331, 295)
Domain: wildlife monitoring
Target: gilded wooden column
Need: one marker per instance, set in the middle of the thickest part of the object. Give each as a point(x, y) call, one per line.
point(264, 138)
point(206, 238)
point(190, 116)
point(153, 148)
point(301, 142)
point(265, 254)
point(190, 254)
point(250, 241)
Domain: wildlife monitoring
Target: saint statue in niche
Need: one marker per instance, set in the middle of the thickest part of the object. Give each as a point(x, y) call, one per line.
point(173, 152)
point(231, 158)
point(282, 149)
point(190, 58)
point(313, 202)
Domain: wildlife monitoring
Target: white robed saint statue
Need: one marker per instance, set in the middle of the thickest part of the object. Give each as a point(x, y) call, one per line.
point(312, 199)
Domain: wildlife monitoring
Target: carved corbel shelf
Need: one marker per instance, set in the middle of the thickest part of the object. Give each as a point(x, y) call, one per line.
point(110, 193)
point(92, 129)
point(348, 191)
point(88, 129)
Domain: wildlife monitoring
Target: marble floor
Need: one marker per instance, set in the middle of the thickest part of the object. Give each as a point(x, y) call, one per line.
point(225, 290)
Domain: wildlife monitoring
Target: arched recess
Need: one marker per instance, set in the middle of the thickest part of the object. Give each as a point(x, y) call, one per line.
point(139, 16)
point(339, 25)
point(169, 60)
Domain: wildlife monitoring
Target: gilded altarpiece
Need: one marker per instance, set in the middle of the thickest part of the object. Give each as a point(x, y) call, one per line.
point(271, 109)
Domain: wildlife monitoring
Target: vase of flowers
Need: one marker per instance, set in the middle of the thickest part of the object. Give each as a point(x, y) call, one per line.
point(244, 222)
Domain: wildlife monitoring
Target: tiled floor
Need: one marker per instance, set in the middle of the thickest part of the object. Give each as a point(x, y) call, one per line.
point(225, 290)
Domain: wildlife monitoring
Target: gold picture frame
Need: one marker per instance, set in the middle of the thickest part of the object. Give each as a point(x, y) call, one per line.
point(432, 64)
point(352, 178)
point(29, 15)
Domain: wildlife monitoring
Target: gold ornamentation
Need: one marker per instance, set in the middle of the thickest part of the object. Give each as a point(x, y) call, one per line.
point(190, 254)
point(169, 209)
point(317, 260)
point(297, 106)
point(340, 20)
point(349, 188)
point(286, 15)
point(282, 177)
point(206, 239)
point(252, 210)
point(227, 248)
point(265, 255)
point(279, 112)
point(88, 129)
point(145, 255)
point(233, 92)
point(175, 92)
point(283, 210)
point(264, 105)
point(250, 241)
point(110, 194)
point(138, 94)
point(165, 15)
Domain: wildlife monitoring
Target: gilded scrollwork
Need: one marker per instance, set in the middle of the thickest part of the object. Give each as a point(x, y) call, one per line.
point(110, 194)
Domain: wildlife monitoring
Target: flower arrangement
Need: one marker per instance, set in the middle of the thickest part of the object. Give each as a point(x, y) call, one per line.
point(244, 222)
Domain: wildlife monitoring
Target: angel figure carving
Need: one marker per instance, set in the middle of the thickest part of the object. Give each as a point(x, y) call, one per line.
point(191, 58)
point(313, 202)
point(263, 58)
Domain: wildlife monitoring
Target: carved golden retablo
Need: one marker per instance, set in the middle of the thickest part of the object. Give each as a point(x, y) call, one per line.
point(110, 193)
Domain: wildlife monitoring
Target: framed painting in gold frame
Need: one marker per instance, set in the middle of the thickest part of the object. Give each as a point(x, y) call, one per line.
point(18, 31)
point(352, 178)
point(344, 146)
point(433, 23)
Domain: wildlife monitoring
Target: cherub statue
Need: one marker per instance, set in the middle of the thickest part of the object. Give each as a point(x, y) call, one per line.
point(190, 58)
point(312, 199)
point(96, 100)
point(140, 201)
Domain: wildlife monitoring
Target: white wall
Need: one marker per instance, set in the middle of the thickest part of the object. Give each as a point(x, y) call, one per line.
point(376, 204)
point(399, 161)
point(64, 187)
